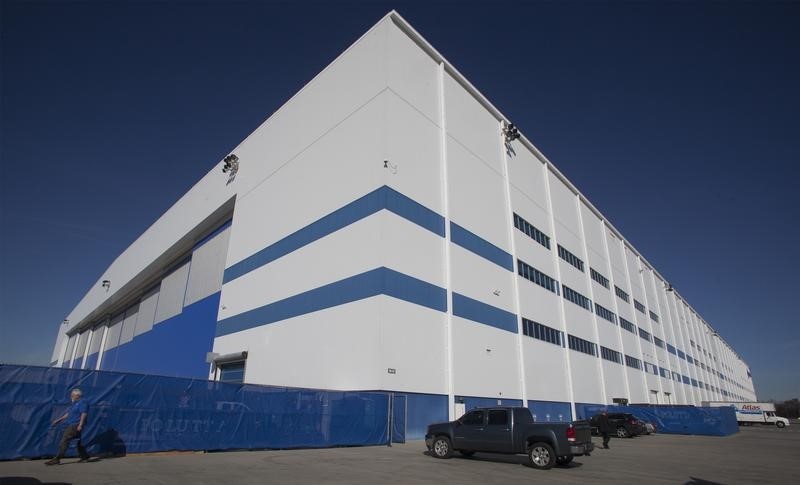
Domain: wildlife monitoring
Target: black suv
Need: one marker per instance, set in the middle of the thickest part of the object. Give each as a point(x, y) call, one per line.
point(624, 425)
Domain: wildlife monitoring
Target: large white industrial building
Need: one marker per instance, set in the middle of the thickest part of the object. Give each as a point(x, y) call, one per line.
point(385, 230)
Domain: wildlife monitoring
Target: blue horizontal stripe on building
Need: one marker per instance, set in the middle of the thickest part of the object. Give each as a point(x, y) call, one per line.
point(379, 281)
point(383, 198)
point(481, 247)
point(477, 311)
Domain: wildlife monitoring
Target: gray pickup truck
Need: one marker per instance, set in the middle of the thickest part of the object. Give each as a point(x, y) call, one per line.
point(510, 430)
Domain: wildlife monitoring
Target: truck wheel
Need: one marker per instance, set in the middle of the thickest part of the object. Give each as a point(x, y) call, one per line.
point(541, 456)
point(564, 460)
point(622, 432)
point(441, 447)
point(780, 424)
point(466, 453)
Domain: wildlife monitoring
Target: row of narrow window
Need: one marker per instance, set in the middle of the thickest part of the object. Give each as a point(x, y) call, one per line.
point(599, 278)
point(581, 345)
point(577, 298)
point(605, 313)
point(532, 274)
point(542, 332)
point(555, 337)
point(611, 355)
point(531, 231)
point(537, 235)
point(570, 258)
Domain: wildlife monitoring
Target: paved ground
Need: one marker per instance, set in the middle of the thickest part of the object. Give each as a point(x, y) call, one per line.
point(754, 455)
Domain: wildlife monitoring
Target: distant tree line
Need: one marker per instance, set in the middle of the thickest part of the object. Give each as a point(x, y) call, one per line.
point(788, 409)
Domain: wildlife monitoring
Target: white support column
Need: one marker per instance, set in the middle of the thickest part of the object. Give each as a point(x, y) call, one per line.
point(515, 281)
point(562, 312)
point(451, 411)
point(588, 280)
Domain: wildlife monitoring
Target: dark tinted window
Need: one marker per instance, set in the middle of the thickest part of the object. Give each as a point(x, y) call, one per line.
point(473, 418)
point(498, 417)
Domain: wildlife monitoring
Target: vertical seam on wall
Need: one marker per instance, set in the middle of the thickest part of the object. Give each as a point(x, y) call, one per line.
point(560, 295)
point(672, 311)
point(587, 278)
point(638, 339)
point(102, 348)
point(446, 241)
point(514, 280)
point(615, 304)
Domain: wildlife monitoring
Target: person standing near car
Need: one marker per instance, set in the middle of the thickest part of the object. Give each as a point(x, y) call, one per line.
point(604, 427)
point(75, 418)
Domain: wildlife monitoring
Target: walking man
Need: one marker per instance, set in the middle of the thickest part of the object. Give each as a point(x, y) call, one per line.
point(75, 419)
point(603, 426)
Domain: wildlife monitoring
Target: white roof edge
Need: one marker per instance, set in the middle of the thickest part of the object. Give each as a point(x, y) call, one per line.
point(427, 47)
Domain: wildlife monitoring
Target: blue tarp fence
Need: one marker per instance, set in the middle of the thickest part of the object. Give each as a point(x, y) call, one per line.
point(719, 421)
point(133, 413)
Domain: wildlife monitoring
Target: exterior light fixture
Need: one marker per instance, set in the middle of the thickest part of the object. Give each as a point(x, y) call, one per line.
point(106, 284)
point(669, 287)
point(231, 164)
point(510, 132)
point(390, 166)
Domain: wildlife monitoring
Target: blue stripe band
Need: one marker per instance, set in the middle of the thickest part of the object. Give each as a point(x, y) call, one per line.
point(480, 246)
point(379, 281)
point(477, 311)
point(377, 200)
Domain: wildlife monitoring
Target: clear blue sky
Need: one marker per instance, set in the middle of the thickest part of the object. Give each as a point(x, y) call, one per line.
point(678, 120)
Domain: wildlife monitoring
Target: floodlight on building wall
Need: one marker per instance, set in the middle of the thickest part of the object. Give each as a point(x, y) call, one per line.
point(510, 132)
point(231, 164)
point(669, 287)
point(106, 284)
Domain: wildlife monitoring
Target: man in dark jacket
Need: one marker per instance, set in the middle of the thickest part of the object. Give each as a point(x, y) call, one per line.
point(604, 427)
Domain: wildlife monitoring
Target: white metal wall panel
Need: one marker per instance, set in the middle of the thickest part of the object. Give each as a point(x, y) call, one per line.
point(565, 212)
point(97, 339)
point(412, 339)
point(344, 340)
point(485, 361)
point(413, 150)
point(352, 250)
point(479, 279)
point(477, 196)
point(471, 126)
point(171, 295)
point(333, 96)
point(129, 324)
point(80, 346)
point(545, 382)
point(70, 348)
point(617, 261)
point(351, 154)
point(539, 304)
point(114, 331)
point(208, 264)
point(410, 249)
point(147, 312)
point(587, 386)
point(614, 380)
point(526, 175)
point(411, 73)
